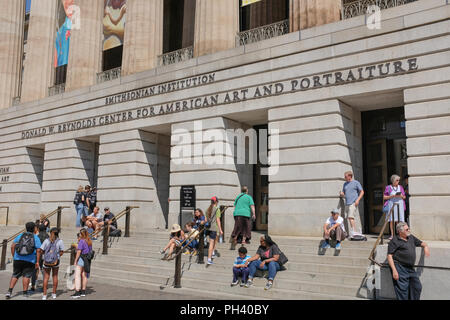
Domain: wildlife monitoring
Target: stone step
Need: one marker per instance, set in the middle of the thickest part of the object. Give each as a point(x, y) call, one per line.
point(303, 290)
point(147, 266)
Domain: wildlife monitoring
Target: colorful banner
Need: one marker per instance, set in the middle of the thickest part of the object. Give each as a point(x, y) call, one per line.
point(63, 32)
point(247, 2)
point(114, 23)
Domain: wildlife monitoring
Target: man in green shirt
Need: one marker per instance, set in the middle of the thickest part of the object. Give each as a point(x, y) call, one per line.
point(244, 209)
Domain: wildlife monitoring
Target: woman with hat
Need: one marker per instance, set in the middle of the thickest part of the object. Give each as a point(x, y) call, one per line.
point(176, 237)
point(213, 216)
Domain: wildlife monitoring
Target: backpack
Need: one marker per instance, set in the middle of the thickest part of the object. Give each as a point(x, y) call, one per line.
point(358, 237)
point(26, 244)
point(51, 254)
point(115, 233)
point(78, 198)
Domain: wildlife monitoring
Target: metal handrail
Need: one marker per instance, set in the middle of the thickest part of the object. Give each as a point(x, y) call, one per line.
point(109, 75)
point(4, 244)
point(116, 217)
point(59, 209)
point(176, 56)
point(356, 8)
point(380, 236)
point(262, 33)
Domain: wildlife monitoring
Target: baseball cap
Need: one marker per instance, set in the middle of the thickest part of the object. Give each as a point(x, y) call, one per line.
point(215, 199)
point(335, 211)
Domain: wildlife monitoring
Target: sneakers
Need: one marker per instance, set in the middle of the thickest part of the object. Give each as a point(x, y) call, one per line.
point(8, 295)
point(268, 285)
point(210, 262)
point(44, 297)
point(249, 283)
point(214, 254)
point(162, 251)
point(76, 295)
point(325, 246)
point(338, 246)
point(235, 283)
point(83, 293)
point(53, 296)
point(242, 284)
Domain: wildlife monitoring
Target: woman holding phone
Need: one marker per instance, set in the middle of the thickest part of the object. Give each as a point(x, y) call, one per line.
point(394, 194)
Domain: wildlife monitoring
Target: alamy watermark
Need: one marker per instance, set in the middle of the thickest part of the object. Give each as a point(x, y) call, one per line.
point(226, 146)
point(373, 20)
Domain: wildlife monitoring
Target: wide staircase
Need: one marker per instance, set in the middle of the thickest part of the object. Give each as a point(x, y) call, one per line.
point(311, 274)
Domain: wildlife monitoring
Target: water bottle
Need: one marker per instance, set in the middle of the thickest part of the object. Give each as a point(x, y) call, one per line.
point(221, 239)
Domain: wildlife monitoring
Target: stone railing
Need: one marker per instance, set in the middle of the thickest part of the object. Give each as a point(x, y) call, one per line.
point(176, 56)
point(56, 89)
point(109, 75)
point(353, 8)
point(262, 33)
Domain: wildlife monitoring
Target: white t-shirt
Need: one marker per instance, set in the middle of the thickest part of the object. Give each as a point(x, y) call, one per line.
point(332, 222)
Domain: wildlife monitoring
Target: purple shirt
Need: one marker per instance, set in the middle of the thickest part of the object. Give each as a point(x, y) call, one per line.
point(83, 246)
point(389, 189)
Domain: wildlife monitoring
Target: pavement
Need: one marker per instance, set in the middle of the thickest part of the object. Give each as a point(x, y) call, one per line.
point(95, 291)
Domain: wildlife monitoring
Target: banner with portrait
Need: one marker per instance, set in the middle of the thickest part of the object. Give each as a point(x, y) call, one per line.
point(114, 17)
point(63, 32)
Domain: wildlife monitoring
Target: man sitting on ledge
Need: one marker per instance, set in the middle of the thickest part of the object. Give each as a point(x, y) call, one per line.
point(334, 229)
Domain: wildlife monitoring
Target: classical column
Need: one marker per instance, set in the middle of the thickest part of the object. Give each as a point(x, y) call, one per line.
point(143, 35)
point(85, 54)
point(38, 65)
point(216, 25)
point(11, 42)
point(316, 143)
point(311, 13)
point(133, 170)
point(203, 154)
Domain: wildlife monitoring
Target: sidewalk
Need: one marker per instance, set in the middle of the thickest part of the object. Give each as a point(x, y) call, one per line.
point(95, 291)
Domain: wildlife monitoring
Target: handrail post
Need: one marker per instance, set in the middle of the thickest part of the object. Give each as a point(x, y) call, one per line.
point(58, 219)
point(201, 247)
point(178, 268)
point(127, 223)
point(7, 215)
point(3, 261)
point(105, 239)
point(73, 254)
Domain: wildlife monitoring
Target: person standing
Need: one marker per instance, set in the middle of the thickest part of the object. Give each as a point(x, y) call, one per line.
point(79, 206)
point(406, 189)
point(353, 192)
point(244, 210)
point(401, 258)
point(52, 249)
point(213, 216)
point(82, 264)
point(26, 258)
point(394, 194)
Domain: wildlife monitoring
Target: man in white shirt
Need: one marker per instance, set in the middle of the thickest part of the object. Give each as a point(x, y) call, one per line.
point(334, 229)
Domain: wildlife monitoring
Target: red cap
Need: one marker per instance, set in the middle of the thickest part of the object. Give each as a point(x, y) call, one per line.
point(214, 199)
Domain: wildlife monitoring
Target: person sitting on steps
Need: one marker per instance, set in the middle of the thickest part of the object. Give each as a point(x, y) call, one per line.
point(176, 238)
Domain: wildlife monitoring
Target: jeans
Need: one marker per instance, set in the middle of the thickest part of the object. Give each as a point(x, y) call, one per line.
point(272, 266)
point(80, 211)
point(193, 244)
point(408, 286)
point(240, 272)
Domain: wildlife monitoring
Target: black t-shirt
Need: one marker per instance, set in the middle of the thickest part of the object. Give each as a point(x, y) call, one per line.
point(404, 252)
point(108, 217)
point(268, 253)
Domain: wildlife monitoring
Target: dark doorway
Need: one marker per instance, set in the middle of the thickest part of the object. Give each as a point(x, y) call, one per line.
point(112, 58)
point(261, 182)
point(384, 145)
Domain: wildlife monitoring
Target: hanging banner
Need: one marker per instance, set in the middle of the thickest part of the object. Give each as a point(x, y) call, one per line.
point(114, 23)
point(63, 32)
point(247, 2)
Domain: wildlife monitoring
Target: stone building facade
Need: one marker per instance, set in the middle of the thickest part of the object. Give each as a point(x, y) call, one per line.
point(332, 92)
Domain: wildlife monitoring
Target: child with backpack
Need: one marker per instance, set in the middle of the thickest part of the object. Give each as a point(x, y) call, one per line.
point(52, 249)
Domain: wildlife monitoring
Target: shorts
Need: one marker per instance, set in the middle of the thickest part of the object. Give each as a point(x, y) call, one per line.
point(80, 263)
point(212, 234)
point(52, 267)
point(23, 269)
point(350, 211)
